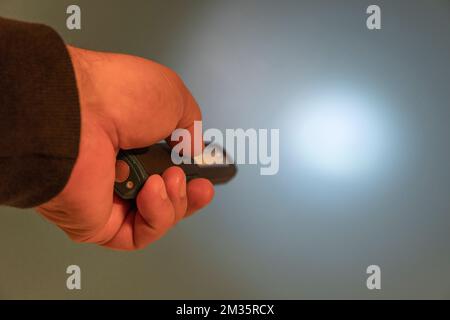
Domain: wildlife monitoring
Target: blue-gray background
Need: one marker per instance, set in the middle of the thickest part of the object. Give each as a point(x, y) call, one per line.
point(297, 234)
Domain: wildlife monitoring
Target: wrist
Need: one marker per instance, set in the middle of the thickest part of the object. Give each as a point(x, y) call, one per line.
point(94, 113)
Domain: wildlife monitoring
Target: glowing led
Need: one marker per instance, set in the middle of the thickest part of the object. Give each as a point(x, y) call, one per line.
point(338, 134)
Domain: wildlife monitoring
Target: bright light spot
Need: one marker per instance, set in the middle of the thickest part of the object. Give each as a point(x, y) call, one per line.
point(339, 135)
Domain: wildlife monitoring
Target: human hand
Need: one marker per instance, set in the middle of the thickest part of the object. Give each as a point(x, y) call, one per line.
point(126, 102)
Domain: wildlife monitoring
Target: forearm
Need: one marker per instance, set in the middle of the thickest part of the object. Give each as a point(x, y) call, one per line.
point(39, 114)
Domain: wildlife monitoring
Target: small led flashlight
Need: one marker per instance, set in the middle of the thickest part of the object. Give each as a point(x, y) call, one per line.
point(136, 165)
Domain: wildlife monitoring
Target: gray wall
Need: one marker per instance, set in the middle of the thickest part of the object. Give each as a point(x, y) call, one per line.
point(298, 234)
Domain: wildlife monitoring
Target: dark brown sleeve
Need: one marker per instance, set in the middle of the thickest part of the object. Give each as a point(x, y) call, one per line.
point(39, 114)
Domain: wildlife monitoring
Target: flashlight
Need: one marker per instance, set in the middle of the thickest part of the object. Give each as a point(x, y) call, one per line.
point(136, 165)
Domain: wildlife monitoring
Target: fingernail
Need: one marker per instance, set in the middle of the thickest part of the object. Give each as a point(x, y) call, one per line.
point(183, 188)
point(122, 171)
point(163, 192)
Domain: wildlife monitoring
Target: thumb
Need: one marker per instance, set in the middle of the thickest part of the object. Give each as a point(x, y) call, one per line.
point(191, 114)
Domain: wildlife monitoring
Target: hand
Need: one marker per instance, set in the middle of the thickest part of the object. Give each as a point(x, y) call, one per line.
point(126, 102)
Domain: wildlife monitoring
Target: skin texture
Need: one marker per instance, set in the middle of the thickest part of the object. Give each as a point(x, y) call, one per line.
point(126, 102)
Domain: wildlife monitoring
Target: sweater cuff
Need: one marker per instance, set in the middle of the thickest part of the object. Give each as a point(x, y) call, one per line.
point(39, 114)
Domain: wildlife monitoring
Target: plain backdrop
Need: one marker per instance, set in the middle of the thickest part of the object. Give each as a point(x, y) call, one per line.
point(300, 233)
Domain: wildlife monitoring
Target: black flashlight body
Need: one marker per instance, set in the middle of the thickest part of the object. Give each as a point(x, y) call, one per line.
point(155, 159)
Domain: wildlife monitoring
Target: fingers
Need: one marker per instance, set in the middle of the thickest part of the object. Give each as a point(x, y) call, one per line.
point(175, 181)
point(155, 104)
point(155, 212)
point(200, 193)
point(191, 111)
point(151, 219)
point(187, 198)
point(161, 203)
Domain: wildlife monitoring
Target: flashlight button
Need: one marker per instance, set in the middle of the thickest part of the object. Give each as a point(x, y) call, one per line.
point(122, 171)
